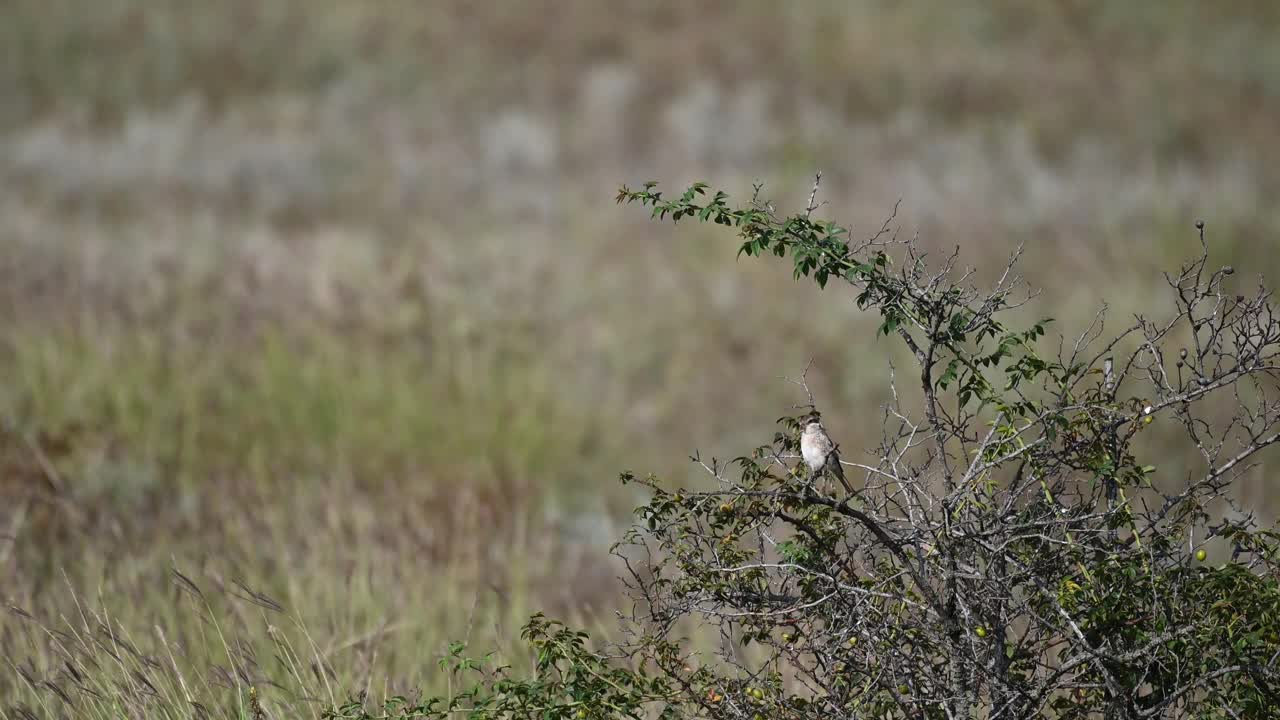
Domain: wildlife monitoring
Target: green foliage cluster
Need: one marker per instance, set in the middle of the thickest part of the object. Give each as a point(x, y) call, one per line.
point(570, 682)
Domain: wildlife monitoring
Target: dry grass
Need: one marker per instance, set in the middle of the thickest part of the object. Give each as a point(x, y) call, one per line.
point(330, 299)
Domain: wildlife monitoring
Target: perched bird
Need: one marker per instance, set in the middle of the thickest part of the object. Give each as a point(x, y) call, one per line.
point(819, 452)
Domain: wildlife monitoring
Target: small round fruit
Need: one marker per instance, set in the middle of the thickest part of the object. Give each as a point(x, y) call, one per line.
point(853, 641)
point(1201, 555)
point(980, 631)
point(788, 637)
point(580, 714)
point(725, 507)
point(757, 693)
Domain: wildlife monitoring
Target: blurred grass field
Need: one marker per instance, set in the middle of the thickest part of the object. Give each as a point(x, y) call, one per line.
point(331, 299)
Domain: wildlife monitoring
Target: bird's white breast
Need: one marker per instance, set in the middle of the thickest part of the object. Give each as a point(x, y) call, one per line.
point(813, 457)
point(813, 450)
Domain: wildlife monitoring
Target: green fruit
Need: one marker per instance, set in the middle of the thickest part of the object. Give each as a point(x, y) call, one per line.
point(1201, 555)
point(787, 637)
point(580, 714)
point(757, 693)
point(853, 641)
point(980, 631)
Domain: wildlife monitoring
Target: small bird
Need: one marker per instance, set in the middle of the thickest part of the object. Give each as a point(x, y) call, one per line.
point(819, 451)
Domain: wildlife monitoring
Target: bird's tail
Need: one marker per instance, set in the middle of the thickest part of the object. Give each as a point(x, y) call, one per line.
point(838, 470)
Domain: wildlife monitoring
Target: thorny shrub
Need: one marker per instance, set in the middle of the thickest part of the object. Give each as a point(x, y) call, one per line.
point(1004, 552)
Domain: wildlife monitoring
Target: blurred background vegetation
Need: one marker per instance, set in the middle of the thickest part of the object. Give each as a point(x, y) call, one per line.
point(330, 297)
